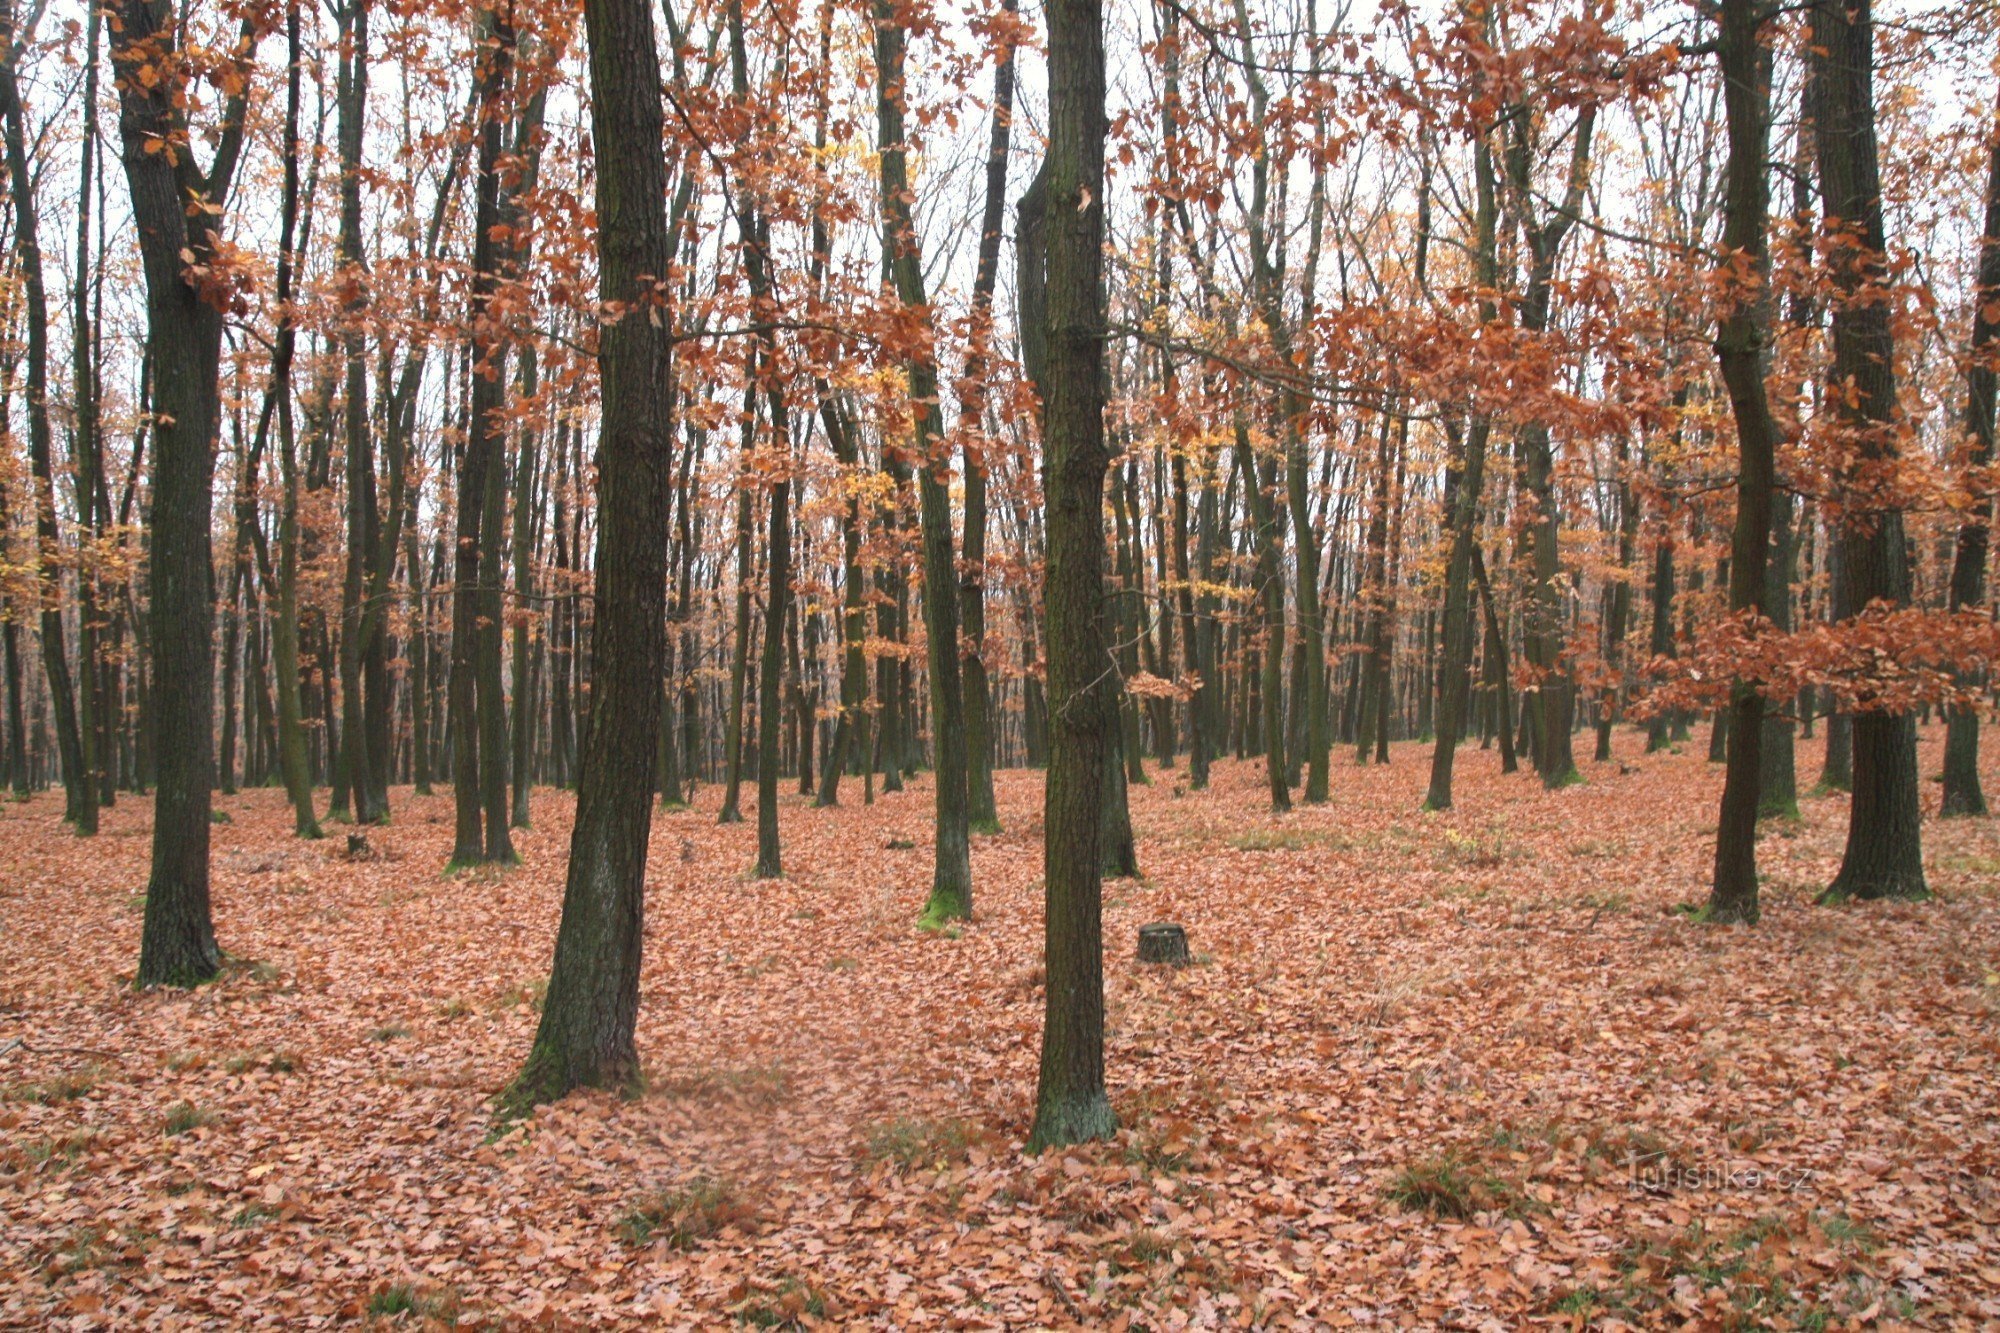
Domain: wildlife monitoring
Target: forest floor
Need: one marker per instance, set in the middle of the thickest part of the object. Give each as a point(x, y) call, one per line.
point(1467, 1069)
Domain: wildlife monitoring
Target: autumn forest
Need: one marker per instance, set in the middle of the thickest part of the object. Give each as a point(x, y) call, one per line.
point(884, 663)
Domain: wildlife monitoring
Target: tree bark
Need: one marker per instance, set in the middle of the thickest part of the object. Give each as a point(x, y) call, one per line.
point(951, 880)
point(184, 345)
point(585, 1037)
point(79, 784)
point(1962, 793)
point(1070, 1101)
point(1741, 347)
point(1884, 853)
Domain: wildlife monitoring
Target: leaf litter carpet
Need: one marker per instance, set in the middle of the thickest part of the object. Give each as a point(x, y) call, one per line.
point(1471, 1069)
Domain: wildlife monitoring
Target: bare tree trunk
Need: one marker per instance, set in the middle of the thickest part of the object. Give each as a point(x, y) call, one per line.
point(1741, 347)
point(1068, 368)
point(951, 880)
point(1962, 794)
point(79, 784)
point(1884, 854)
point(982, 816)
point(586, 1034)
point(184, 340)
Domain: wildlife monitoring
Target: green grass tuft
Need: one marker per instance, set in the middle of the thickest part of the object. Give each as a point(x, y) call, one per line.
point(183, 1117)
point(685, 1217)
point(912, 1142)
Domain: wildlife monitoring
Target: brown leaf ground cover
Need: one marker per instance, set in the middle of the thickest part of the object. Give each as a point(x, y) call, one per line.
point(1471, 1069)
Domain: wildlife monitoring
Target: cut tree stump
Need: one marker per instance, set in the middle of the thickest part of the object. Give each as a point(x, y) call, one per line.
point(1163, 942)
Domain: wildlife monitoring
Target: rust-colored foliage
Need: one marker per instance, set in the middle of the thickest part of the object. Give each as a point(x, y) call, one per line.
point(1475, 1067)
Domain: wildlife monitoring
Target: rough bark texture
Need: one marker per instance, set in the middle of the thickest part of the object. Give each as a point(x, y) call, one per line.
point(982, 816)
point(184, 344)
point(494, 58)
point(1884, 855)
point(1544, 615)
point(1741, 347)
point(951, 879)
point(1463, 492)
point(1070, 1100)
point(586, 1032)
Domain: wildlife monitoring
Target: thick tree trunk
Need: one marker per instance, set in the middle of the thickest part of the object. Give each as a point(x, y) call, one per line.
point(1884, 854)
point(1544, 615)
point(357, 628)
point(472, 708)
point(526, 507)
point(1778, 784)
point(1741, 348)
point(585, 1037)
point(92, 498)
point(739, 668)
point(1067, 365)
point(184, 340)
point(1463, 491)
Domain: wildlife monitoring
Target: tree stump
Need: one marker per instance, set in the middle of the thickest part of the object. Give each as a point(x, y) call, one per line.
point(1163, 942)
point(357, 847)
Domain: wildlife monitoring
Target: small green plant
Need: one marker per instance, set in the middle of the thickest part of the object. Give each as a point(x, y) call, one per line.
point(912, 1142)
point(275, 1062)
point(786, 1305)
point(454, 1008)
point(183, 1117)
point(1282, 840)
point(685, 1217)
point(65, 1150)
point(1844, 1230)
point(84, 1247)
point(250, 1214)
point(1579, 1301)
point(219, 817)
point(756, 1085)
point(1149, 1246)
point(66, 1087)
point(901, 845)
point(1448, 1185)
point(388, 1032)
point(933, 922)
point(1160, 1146)
point(429, 1305)
point(1482, 850)
point(523, 995)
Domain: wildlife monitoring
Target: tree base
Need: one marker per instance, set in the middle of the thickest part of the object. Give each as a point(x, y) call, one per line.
point(944, 908)
point(1729, 911)
point(1898, 888)
point(1163, 942)
point(545, 1078)
point(1063, 1121)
